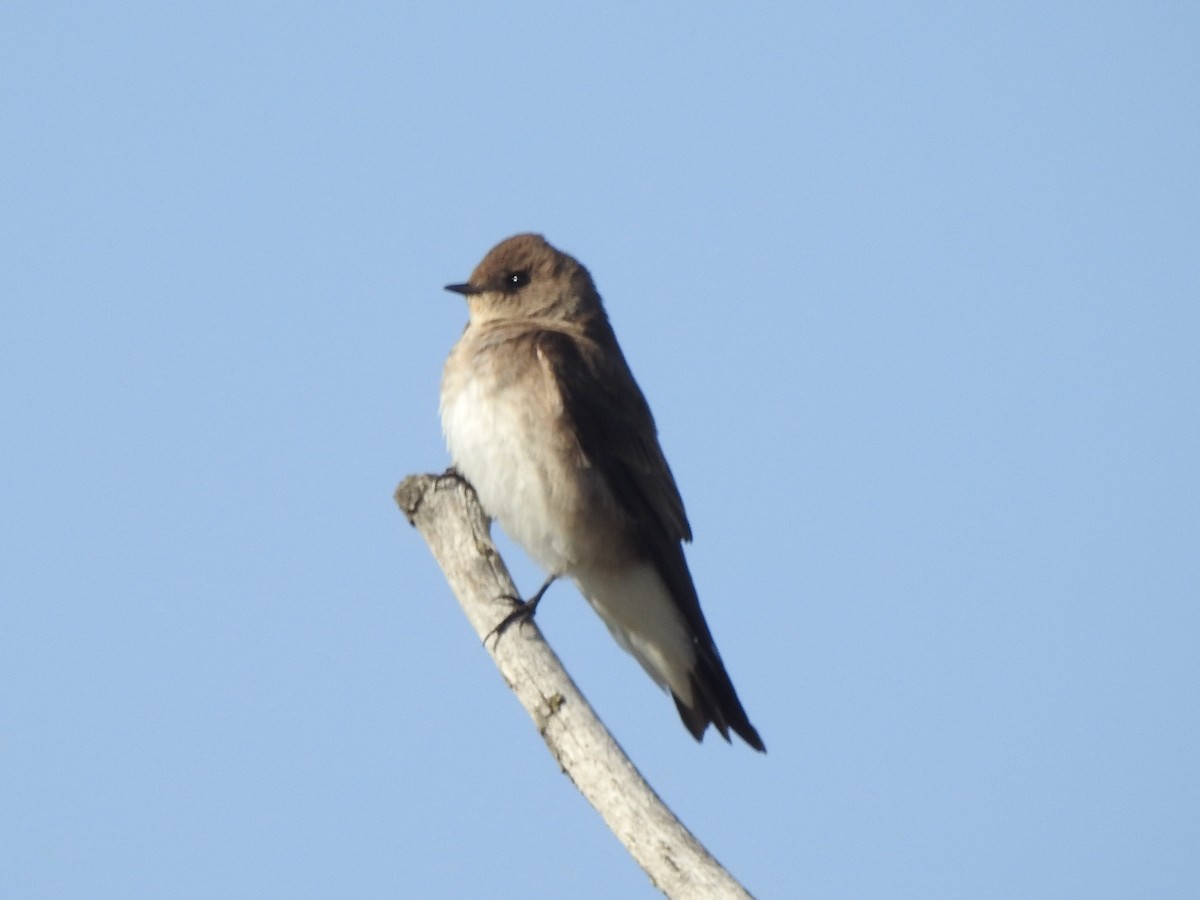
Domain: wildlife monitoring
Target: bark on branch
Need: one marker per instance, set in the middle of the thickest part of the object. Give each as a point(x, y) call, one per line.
point(448, 515)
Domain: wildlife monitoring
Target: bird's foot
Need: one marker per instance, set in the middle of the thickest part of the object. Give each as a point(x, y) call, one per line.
point(523, 613)
point(451, 474)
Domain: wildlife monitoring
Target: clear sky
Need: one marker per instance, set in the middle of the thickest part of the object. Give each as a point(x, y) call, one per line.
point(913, 290)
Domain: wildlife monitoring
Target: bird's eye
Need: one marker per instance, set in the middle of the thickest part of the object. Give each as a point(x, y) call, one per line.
point(514, 281)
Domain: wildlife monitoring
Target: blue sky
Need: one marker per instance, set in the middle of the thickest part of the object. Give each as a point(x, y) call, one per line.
point(912, 289)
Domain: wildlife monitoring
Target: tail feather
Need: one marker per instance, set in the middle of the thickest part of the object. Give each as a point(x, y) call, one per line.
point(715, 702)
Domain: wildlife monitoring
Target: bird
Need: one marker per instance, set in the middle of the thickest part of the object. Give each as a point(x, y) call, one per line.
point(542, 415)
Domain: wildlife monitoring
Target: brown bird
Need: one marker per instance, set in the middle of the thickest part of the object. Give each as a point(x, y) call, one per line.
point(542, 415)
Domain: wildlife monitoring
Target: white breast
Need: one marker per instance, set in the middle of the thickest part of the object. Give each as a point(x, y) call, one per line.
point(499, 439)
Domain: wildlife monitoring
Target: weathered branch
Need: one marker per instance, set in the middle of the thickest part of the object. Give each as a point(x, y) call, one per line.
point(446, 512)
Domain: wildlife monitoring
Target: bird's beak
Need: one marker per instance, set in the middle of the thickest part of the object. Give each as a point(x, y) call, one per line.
point(466, 289)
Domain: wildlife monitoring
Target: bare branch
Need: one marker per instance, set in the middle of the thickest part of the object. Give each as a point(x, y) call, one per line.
point(446, 512)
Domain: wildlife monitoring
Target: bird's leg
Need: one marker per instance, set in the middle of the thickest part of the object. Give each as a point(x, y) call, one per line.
point(523, 613)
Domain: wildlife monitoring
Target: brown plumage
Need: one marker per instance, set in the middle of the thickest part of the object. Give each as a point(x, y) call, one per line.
point(545, 419)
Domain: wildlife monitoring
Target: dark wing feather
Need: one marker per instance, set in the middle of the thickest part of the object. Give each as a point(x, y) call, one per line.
point(615, 429)
point(617, 437)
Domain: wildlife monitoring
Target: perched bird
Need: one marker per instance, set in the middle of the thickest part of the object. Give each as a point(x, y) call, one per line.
point(542, 415)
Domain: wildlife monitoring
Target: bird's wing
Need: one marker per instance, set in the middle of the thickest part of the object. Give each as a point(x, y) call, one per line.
point(615, 431)
point(615, 434)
